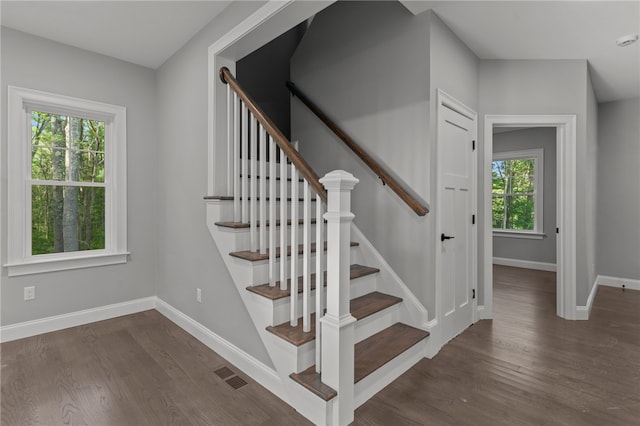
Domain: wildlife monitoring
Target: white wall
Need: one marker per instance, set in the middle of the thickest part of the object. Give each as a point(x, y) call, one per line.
point(545, 87)
point(36, 63)
point(618, 212)
point(543, 250)
point(367, 65)
point(188, 257)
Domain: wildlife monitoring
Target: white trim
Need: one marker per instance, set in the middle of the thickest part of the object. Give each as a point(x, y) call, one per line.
point(525, 235)
point(583, 312)
point(20, 260)
point(528, 264)
point(249, 365)
point(608, 281)
point(565, 205)
point(262, 26)
point(73, 319)
point(482, 314)
point(537, 154)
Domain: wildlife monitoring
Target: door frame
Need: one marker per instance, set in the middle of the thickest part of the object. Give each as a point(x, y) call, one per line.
point(565, 125)
point(444, 100)
point(265, 24)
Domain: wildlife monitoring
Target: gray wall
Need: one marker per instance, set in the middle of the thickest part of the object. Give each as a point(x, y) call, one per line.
point(36, 63)
point(543, 250)
point(367, 64)
point(618, 210)
point(264, 72)
point(188, 257)
point(546, 87)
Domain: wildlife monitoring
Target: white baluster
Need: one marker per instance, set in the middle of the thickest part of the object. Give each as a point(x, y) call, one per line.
point(306, 257)
point(253, 206)
point(236, 159)
point(319, 280)
point(294, 245)
point(230, 115)
point(263, 190)
point(245, 162)
point(338, 326)
point(283, 220)
point(272, 212)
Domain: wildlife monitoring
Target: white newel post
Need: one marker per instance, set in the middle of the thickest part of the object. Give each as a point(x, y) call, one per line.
point(337, 324)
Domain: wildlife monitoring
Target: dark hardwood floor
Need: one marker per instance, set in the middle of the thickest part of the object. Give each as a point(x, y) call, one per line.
point(137, 370)
point(525, 367)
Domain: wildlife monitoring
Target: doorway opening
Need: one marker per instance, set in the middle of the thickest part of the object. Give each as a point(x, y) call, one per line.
point(565, 129)
point(524, 215)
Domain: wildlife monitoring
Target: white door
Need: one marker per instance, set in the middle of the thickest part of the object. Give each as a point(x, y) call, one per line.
point(456, 237)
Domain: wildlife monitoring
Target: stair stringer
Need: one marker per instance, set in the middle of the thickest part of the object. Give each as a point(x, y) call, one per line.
point(287, 358)
point(412, 311)
point(284, 356)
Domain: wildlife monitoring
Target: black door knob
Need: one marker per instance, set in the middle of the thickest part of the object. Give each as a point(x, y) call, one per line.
point(445, 237)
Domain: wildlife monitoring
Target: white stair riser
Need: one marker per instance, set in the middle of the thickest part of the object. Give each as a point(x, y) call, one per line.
point(367, 327)
point(364, 328)
point(281, 308)
point(376, 381)
point(243, 236)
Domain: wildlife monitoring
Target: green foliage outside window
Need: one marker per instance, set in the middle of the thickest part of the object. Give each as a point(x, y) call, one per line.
point(513, 201)
point(67, 191)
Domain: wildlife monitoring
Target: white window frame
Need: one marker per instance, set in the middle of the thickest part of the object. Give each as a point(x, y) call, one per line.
point(538, 156)
point(21, 102)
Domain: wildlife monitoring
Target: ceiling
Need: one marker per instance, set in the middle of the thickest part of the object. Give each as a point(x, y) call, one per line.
point(149, 32)
point(146, 33)
point(551, 30)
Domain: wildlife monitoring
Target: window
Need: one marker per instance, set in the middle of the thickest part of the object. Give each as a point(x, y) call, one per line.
point(67, 182)
point(517, 193)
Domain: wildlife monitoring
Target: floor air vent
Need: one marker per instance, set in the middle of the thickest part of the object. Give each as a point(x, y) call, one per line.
point(236, 382)
point(226, 374)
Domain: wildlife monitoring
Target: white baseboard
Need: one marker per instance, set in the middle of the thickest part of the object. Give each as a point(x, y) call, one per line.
point(528, 264)
point(249, 365)
point(433, 344)
point(483, 313)
point(628, 283)
point(74, 319)
point(583, 312)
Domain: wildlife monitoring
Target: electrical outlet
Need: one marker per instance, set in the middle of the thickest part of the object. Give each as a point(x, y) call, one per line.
point(199, 295)
point(29, 293)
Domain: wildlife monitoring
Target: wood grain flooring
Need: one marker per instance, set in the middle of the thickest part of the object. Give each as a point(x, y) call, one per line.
point(524, 367)
point(137, 370)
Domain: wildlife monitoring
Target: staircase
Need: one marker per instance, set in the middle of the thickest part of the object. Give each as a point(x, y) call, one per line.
point(336, 321)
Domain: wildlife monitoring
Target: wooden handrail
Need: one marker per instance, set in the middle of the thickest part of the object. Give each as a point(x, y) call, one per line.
point(380, 171)
point(294, 156)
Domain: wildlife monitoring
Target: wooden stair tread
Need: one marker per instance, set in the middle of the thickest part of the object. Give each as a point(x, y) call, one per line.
point(360, 308)
point(231, 198)
point(275, 293)
point(311, 380)
point(254, 256)
point(241, 225)
point(377, 350)
point(367, 305)
point(370, 354)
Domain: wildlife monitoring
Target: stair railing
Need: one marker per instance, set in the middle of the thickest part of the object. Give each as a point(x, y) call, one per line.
point(416, 205)
point(251, 138)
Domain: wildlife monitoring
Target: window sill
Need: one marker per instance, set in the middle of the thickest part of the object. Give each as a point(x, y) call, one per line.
point(519, 234)
point(64, 263)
